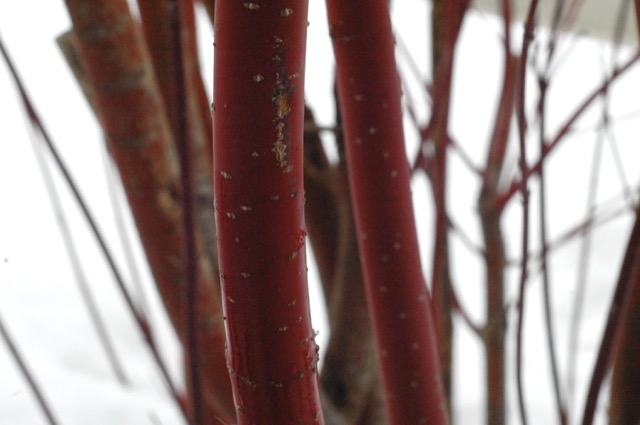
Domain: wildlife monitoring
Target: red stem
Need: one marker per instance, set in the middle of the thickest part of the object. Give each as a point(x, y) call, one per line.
point(369, 95)
point(190, 254)
point(629, 273)
point(258, 178)
point(128, 104)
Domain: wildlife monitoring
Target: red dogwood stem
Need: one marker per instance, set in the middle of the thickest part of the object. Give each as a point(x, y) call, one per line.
point(125, 93)
point(259, 198)
point(369, 94)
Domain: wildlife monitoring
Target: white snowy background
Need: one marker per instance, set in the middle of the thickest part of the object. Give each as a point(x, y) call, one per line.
point(40, 301)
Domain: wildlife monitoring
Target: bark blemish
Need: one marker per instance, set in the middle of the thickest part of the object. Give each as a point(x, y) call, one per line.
point(286, 12)
point(251, 6)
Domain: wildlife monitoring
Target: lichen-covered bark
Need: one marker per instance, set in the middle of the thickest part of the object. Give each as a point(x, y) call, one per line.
point(259, 201)
point(399, 305)
point(127, 100)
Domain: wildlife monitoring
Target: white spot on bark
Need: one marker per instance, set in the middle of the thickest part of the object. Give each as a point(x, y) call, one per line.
point(225, 175)
point(251, 6)
point(258, 77)
point(286, 12)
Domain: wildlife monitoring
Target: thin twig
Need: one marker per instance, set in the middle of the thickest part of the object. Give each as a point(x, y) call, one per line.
point(561, 410)
point(190, 254)
point(522, 129)
point(568, 126)
point(35, 388)
point(139, 319)
point(583, 266)
point(74, 258)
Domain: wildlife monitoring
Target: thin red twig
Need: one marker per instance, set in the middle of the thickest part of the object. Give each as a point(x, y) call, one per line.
point(190, 254)
point(522, 129)
point(568, 126)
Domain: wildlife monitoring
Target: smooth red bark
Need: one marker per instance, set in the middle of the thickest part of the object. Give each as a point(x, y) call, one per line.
point(258, 175)
point(369, 94)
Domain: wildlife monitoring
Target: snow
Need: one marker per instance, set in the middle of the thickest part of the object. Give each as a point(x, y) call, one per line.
point(40, 302)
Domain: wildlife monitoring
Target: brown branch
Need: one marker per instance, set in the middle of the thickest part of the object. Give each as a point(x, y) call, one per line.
point(320, 210)
point(628, 280)
point(494, 249)
point(625, 381)
point(350, 378)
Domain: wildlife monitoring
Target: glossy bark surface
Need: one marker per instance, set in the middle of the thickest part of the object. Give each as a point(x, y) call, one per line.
point(369, 94)
point(258, 173)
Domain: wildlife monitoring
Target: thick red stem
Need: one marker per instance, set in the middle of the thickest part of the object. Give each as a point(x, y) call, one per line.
point(369, 94)
point(125, 95)
point(258, 134)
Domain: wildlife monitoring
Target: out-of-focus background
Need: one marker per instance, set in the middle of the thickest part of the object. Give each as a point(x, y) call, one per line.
point(40, 301)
